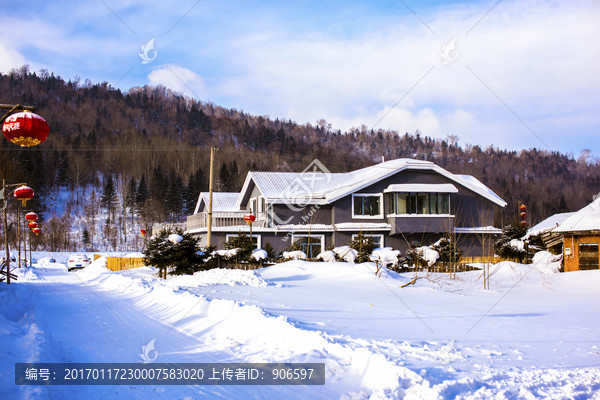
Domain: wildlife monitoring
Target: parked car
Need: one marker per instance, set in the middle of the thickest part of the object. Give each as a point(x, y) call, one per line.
point(78, 261)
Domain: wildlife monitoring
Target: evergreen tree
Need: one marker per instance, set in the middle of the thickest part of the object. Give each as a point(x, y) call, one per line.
point(142, 193)
point(364, 245)
point(108, 199)
point(172, 248)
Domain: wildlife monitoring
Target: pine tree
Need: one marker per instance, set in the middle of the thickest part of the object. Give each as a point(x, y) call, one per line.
point(142, 194)
point(108, 198)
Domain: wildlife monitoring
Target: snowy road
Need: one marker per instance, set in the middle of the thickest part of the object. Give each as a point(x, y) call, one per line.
point(535, 336)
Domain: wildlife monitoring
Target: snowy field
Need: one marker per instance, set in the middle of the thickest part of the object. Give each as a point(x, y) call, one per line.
point(535, 334)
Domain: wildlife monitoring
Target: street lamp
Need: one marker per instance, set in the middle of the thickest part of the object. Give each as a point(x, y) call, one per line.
point(5, 196)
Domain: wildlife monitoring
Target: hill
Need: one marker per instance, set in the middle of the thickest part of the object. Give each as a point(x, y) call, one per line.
point(141, 156)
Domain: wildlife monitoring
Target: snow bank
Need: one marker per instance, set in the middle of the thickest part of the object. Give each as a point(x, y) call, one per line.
point(385, 256)
point(294, 255)
point(259, 254)
point(546, 262)
point(346, 253)
point(327, 256)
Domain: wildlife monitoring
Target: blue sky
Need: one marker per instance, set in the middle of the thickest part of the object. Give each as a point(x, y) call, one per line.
point(513, 74)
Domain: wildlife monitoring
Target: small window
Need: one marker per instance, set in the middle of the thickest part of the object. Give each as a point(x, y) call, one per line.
point(588, 256)
point(367, 205)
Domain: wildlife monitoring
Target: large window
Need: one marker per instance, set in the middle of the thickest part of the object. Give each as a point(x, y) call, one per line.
point(256, 239)
point(588, 256)
point(311, 245)
point(377, 239)
point(419, 203)
point(367, 205)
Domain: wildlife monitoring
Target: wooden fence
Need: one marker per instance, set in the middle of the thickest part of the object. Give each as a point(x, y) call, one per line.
point(492, 260)
point(123, 263)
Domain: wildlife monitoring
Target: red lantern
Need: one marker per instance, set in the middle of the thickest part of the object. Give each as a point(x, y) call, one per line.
point(31, 217)
point(33, 225)
point(249, 218)
point(25, 129)
point(23, 193)
point(36, 230)
point(523, 207)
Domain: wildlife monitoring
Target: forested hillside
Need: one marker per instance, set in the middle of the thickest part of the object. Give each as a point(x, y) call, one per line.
point(142, 156)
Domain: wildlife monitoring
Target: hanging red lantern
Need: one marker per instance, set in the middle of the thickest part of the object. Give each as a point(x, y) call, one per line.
point(25, 129)
point(33, 225)
point(36, 230)
point(31, 217)
point(23, 193)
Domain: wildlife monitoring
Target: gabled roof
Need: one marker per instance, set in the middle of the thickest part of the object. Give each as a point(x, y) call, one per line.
point(547, 225)
point(586, 219)
point(222, 201)
point(315, 186)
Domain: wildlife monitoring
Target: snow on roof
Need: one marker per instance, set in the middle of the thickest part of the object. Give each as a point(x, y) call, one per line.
point(586, 219)
point(319, 186)
point(422, 188)
point(363, 226)
point(222, 201)
point(547, 225)
point(478, 229)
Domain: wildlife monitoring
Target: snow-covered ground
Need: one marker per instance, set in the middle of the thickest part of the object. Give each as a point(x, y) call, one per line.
point(533, 335)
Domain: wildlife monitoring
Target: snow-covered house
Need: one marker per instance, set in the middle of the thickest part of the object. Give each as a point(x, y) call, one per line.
point(581, 237)
point(543, 234)
point(399, 203)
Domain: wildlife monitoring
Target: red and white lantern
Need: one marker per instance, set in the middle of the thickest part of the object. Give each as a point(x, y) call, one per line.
point(25, 129)
point(23, 193)
point(31, 217)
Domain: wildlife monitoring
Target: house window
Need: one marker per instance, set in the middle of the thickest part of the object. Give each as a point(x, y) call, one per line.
point(256, 239)
point(310, 245)
point(377, 239)
point(588, 256)
point(419, 203)
point(367, 205)
point(253, 206)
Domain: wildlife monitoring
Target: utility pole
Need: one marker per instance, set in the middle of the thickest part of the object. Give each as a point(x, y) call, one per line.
point(210, 197)
point(6, 252)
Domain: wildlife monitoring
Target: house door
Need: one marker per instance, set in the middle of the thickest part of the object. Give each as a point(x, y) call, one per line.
point(588, 256)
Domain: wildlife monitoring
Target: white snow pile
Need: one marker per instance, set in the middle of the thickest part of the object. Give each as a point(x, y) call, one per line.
point(546, 262)
point(227, 254)
point(175, 238)
point(385, 256)
point(327, 256)
point(428, 254)
point(517, 244)
point(218, 276)
point(294, 255)
point(259, 254)
point(346, 253)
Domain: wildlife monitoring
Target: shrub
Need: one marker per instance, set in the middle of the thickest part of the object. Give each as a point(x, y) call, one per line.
point(172, 248)
point(244, 243)
point(502, 246)
point(364, 245)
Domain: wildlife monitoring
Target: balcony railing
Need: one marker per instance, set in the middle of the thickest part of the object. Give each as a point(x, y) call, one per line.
point(226, 219)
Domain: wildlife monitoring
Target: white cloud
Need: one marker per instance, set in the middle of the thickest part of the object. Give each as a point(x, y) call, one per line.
point(180, 79)
point(10, 58)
